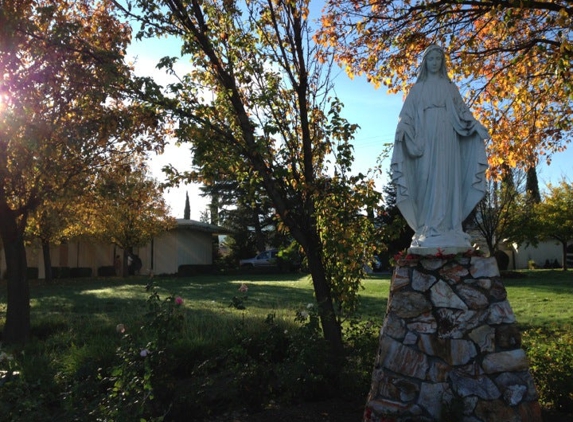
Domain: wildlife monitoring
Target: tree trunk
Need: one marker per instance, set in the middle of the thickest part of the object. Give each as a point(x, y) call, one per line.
point(330, 326)
point(490, 246)
point(48, 276)
point(564, 254)
point(17, 326)
point(214, 214)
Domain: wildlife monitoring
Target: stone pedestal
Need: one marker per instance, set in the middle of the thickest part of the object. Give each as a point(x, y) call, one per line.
point(450, 349)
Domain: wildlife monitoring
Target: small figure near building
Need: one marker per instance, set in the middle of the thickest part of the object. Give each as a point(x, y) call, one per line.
point(134, 264)
point(117, 265)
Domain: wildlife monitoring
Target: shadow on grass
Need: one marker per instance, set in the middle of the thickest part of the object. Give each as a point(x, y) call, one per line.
point(93, 307)
point(542, 284)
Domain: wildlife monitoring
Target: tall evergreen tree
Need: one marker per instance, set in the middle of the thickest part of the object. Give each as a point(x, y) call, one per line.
point(187, 210)
point(532, 185)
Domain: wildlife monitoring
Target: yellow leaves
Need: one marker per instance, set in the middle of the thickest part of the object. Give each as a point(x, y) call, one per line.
point(511, 161)
point(326, 21)
point(496, 161)
point(349, 71)
point(565, 47)
point(563, 18)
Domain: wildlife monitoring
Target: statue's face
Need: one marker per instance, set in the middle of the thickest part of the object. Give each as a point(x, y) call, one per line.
point(433, 62)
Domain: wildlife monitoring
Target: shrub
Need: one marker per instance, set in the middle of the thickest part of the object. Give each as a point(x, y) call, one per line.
point(189, 270)
point(289, 258)
point(61, 272)
point(106, 271)
point(143, 366)
point(310, 372)
point(277, 361)
point(361, 340)
point(80, 272)
point(550, 353)
point(512, 274)
point(31, 273)
point(27, 387)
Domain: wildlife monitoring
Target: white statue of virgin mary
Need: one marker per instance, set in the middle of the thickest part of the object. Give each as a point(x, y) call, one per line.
point(439, 160)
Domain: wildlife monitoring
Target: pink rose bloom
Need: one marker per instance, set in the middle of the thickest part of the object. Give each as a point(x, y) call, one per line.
point(244, 288)
point(179, 300)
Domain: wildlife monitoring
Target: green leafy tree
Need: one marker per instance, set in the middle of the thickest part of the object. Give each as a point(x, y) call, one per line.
point(248, 211)
point(555, 215)
point(258, 100)
point(245, 241)
point(130, 208)
point(65, 111)
point(233, 199)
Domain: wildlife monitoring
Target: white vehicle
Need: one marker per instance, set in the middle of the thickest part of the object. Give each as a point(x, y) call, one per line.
point(264, 259)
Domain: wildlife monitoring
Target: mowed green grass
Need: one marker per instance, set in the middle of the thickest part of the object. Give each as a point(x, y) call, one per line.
point(543, 297)
point(115, 299)
point(93, 307)
point(540, 298)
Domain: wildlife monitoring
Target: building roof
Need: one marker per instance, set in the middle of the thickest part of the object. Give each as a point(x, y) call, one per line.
point(200, 226)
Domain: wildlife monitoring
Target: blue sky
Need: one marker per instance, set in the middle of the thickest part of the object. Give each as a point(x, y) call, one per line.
point(375, 111)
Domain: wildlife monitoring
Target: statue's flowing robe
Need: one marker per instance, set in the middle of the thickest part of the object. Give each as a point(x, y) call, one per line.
point(438, 164)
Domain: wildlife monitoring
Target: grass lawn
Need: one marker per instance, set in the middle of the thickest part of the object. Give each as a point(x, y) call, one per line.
point(102, 304)
point(74, 323)
point(542, 297)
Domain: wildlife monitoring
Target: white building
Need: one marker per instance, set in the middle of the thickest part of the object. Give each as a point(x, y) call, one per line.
point(189, 244)
point(547, 251)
